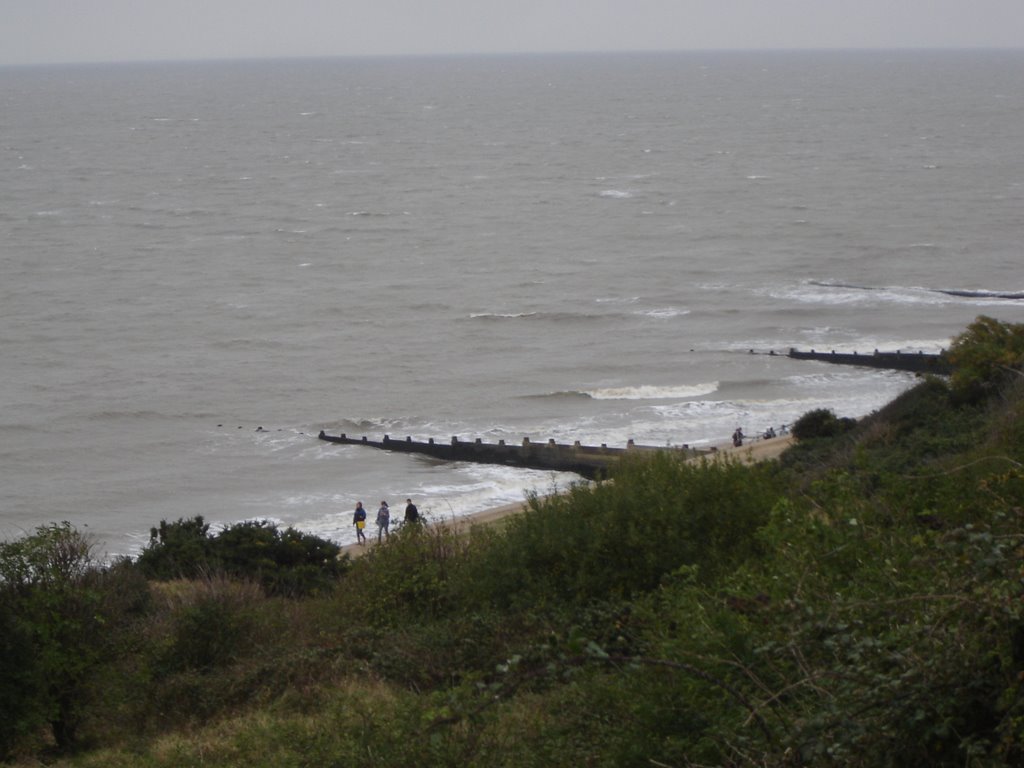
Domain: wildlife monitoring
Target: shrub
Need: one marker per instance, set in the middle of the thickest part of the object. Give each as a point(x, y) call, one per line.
point(211, 623)
point(53, 605)
point(22, 710)
point(285, 562)
point(984, 355)
point(177, 550)
point(408, 575)
point(621, 538)
point(821, 422)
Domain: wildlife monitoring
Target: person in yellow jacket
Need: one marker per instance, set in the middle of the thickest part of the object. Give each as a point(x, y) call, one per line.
point(359, 521)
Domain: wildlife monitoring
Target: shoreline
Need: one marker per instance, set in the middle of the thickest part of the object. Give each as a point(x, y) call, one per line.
point(761, 449)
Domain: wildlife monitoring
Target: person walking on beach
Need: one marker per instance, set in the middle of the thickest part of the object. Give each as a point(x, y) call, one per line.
point(359, 521)
point(412, 515)
point(383, 520)
point(737, 438)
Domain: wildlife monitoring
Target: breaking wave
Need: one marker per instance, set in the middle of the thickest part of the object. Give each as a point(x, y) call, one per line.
point(838, 292)
point(648, 392)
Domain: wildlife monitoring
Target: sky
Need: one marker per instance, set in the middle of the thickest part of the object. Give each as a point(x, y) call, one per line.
point(73, 31)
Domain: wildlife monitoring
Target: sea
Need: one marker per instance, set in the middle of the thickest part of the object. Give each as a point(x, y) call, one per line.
point(205, 264)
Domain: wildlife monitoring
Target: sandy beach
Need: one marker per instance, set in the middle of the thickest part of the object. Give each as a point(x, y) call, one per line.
point(757, 450)
point(762, 449)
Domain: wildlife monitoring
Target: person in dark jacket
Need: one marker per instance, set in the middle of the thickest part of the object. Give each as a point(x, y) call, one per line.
point(412, 515)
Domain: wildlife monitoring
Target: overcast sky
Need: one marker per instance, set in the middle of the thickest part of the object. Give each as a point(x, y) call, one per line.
point(44, 31)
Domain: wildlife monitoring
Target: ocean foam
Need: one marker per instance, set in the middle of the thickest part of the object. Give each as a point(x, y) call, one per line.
point(653, 392)
point(500, 315)
point(834, 292)
point(666, 313)
point(814, 292)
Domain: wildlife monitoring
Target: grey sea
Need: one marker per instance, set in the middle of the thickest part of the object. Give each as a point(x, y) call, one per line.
point(205, 264)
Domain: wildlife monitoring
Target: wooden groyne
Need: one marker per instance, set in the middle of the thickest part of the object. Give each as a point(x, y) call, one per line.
point(586, 460)
point(914, 362)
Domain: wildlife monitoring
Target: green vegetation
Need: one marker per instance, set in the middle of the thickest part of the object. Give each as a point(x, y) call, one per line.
point(985, 355)
point(284, 562)
point(857, 603)
point(821, 423)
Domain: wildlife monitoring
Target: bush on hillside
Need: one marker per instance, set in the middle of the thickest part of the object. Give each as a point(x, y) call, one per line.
point(181, 549)
point(57, 608)
point(419, 560)
point(621, 538)
point(821, 422)
point(21, 711)
point(984, 356)
point(285, 562)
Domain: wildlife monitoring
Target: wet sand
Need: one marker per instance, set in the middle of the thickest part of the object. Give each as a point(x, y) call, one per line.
point(759, 450)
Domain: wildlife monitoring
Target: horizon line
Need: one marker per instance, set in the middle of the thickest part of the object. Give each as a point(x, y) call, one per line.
point(506, 54)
